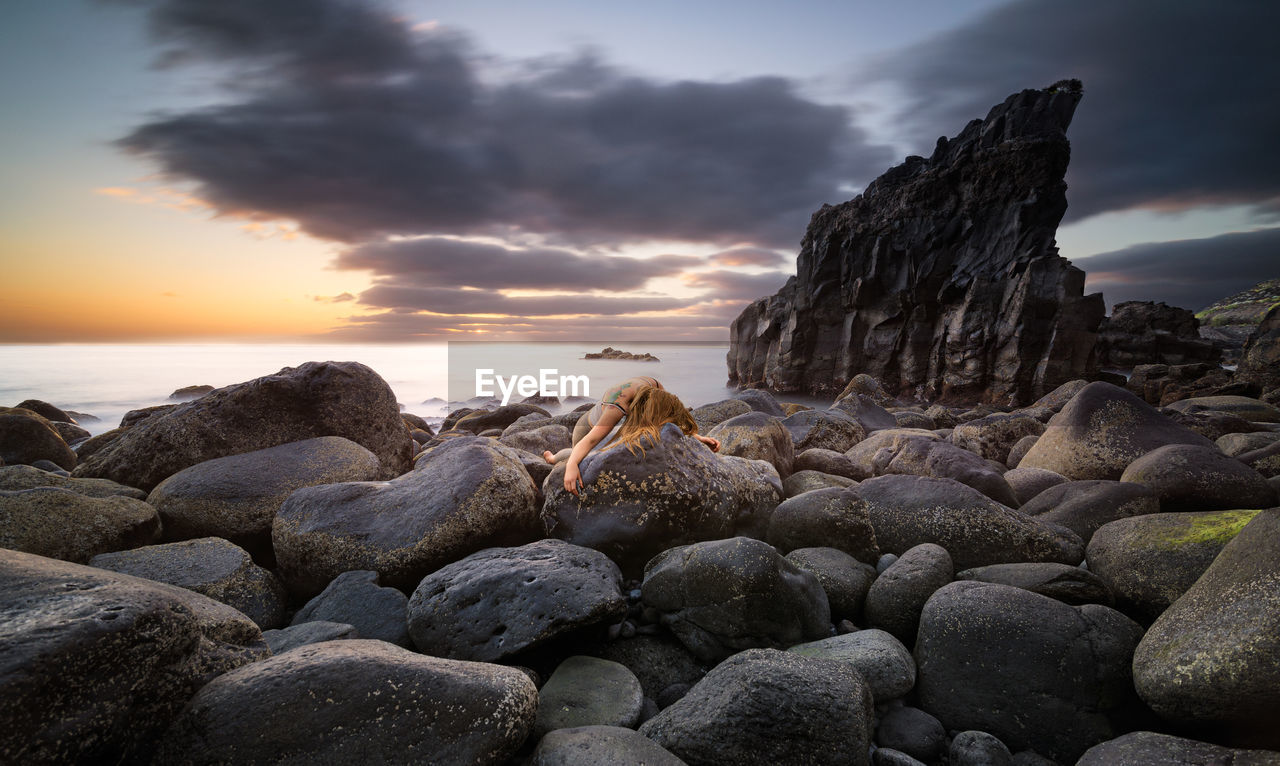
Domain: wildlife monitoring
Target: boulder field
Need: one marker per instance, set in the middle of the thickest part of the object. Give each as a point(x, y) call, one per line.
point(835, 586)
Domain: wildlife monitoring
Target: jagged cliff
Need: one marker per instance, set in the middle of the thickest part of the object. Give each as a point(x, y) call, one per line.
point(942, 279)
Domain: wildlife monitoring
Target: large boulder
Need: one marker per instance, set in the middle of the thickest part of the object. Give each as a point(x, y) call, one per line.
point(976, 530)
point(1210, 658)
point(844, 579)
point(314, 399)
point(709, 415)
point(26, 437)
point(355, 701)
point(1146, 332)
point(1187, 477)
point(941, 280)
point(1260, 360)
point(1149, 561)
point(500, 602)
point(632, 507)
point(95, 665)
point(467, 494)
point(832, 463)
point(1144, 748)
point(834, 517)
point(659, 662)
point(483, 420)
point(237, 497)
point(913, 452)
point(993, 436)
point(600, 746)
point(355, 599)
point(211, 567)
point(1035, 672)
point(884, 663)
point(17, 477)
point(824, 429)
point(588, 691)
point(63, 524)
point(1101, 431)
point(548, 438)
point(723, 596)
point(1246, 407)
point(897, 596)
point(1084, 506)
point(294, 636)
point(1068, 584)
point(757, 436)
point(1026, 483)
point(768, 707)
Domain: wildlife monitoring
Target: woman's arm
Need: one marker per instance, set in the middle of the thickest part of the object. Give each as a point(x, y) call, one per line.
point(572, 477)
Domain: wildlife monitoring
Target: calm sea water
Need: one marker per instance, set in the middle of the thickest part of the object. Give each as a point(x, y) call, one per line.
point(108, 380)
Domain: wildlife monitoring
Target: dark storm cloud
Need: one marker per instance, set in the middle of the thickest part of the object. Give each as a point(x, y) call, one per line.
point(1190, 273)
point(347, 121)
point(1179, 107)
point(446, 300)
point(436, 261)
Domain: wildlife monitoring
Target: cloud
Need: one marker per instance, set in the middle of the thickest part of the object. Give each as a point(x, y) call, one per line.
point(399, 326)
point(750, 256)
point(438, 261)
point(359, 126)
point(737, 285)
point(1177, 109)
point(448, 300)
point(1190, 273)
point(340, 298)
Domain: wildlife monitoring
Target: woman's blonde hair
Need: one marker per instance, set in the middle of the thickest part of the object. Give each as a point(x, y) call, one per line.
point(652, 408)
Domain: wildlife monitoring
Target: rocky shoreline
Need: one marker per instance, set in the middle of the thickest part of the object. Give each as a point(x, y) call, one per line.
point(289, 569)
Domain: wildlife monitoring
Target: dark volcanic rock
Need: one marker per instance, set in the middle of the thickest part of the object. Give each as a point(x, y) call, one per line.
point(1187, 477)
point(17, 477)
point(355, 702)
point(1068, 584)
point(96, 664)
point(993, 436)
point(726, 595)
point(844, 579)
point(884, 663)
point(502, 601)
point(1084, 506)
point(1035, 672)
point(588, 691)
point(67, 525)
point(1260, 360)
point(467, 494)
point(912, 731)
point(600, 746)
point(832, 430)
point(1145, 332)
point(757, 436)
point(633, 507)
point(315, 399)
point(942, 278)
point(1145, 748)
point(897, 596)
point(658, 661)
point(833, 517)
point(763, 706)
point(355, 599)
point(307, 633)
point(26, 437)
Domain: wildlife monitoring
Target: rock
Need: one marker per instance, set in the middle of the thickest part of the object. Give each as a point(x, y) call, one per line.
point(763, 706)
point(1019, 450)
point(710, 415)
point(1233, 445)
point(978, 748)
point(1266, 461)
point(830, 462)
point(1026, 483)
point(914, 732)
point(1210, 657)
point(600, 746)
point(467, 494)
point(307, 633)
point(1035, 672)
point(26, 437)
point(801, 482)
point(882, 660)
point(942, 417)
point(1146, 332)
point(66, 525)
point(1101, 431)
point(1141, 748)
point(993, 436)
point(1084, 506)
point(1246, 407)
point(1148, 562)
point(539, 440)
point(187, 393)
point(211, 567)
point(1188, 477)
point(45, 410)
point(70, 433)
point(871, 416)
point(870, 388)
point(633, 507)
point(723, 596)
point(355, 599)
point(1260, 360)
point(355, 701)
point(237, 497)
point(941, 279)
point(906, 511)
point(500, 602)
point(478, 421)
point(886, 756)
point(1068, 584)
point(616, 353)
point(315, 399)
point(896, 597)
point(19, 477)
point(823, 429)
point(833, 517)
point(658, 661)
point(911, 453)
point(844, 579)
point(96, 664)
point(588, 691)
point(757, 436)
point(760, 401)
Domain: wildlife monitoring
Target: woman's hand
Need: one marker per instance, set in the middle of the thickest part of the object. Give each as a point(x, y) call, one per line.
point(572, 479)
point(712, 443)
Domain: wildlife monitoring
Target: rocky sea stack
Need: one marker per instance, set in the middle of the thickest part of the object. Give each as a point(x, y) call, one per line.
point(942, 279)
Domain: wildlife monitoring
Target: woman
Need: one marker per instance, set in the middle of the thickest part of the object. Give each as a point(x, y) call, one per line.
point(644, 404)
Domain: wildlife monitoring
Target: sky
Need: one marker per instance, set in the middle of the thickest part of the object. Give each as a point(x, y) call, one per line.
point(408, 170)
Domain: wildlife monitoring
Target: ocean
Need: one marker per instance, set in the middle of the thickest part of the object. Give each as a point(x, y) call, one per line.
point(108, 380)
